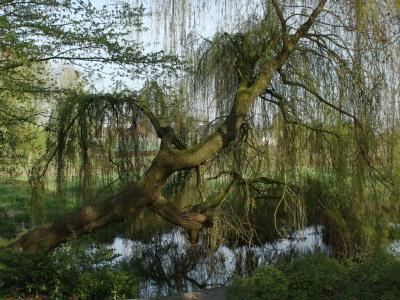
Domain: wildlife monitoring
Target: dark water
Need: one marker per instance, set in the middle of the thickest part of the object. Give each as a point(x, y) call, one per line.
point(171, 265)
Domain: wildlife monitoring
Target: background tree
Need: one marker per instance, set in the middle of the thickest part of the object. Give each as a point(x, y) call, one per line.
point(36, 35)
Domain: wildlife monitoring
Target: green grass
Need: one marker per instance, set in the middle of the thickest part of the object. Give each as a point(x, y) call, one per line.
point(15, 207)
point(14, 210)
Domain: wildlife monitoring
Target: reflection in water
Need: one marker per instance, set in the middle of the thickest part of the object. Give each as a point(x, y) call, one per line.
point(171, 265)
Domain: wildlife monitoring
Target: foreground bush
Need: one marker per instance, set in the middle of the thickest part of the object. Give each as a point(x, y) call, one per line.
point(376, 277)
point(264, 279)
point(319, 277)
point(313, 277)
point(83, 270)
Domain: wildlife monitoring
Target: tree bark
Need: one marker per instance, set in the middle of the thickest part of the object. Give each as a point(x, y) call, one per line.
point(90, 218)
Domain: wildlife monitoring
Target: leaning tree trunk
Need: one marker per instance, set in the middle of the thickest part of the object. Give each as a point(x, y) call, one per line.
point(116, 209)
point(171, 158)
point(85, 220)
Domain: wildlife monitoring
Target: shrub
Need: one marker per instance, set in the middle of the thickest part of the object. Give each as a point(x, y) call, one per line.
point(266, 283)
point(305, 277)
point(82, 270)
point(318, 277)
point(375, 277)
point(314, 277)
point(23, 274)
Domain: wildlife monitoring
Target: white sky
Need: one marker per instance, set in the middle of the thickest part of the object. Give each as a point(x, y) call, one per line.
point(206, 18)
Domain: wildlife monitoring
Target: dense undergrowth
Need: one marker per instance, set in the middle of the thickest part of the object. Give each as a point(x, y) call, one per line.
point(79, 270)
point(87, 270)
point(315, 276)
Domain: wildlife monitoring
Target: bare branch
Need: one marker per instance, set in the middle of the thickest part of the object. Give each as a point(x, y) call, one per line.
point(305, 27)
point(285, 38)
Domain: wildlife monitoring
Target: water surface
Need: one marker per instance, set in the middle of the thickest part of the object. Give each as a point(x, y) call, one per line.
point(171, 265)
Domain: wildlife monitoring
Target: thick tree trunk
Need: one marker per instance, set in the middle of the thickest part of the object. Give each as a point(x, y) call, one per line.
point(85, 220)
point(116, 209)
point(113, 210)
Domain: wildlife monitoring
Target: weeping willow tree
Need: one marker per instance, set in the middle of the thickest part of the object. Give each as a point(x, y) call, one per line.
point(289, 118)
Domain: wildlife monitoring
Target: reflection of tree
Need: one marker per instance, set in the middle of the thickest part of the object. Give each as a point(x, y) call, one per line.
point(174, 266)
point(170, 265)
